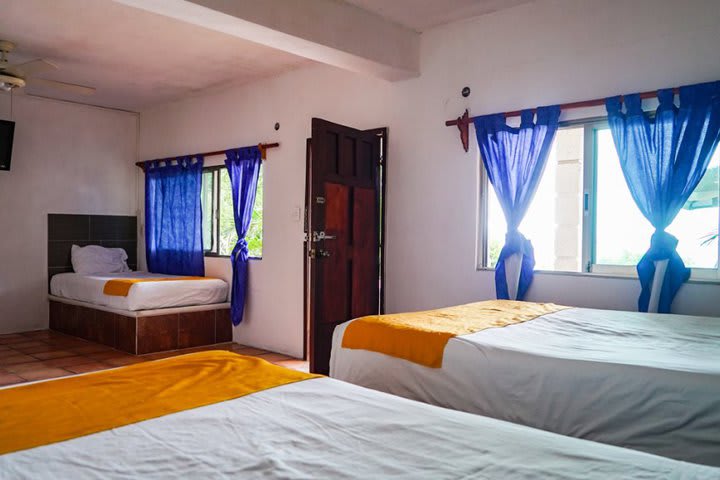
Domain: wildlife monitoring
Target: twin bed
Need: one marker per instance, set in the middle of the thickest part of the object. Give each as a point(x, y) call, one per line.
point(234, 416)
point(141, 312)
point(649, 382)
point(146, 295)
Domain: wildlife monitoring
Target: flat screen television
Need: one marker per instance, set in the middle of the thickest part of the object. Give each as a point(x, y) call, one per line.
point(7, 132)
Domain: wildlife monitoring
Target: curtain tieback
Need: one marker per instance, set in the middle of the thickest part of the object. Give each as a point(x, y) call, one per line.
point(241, 247)
point(662, 246)
point(515, 242)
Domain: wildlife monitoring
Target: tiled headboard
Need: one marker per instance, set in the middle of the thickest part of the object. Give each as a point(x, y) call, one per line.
point(111, 231)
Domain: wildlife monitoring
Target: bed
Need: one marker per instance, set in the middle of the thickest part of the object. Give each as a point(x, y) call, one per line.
point(242, 417)
point(650, 382)
point(142, 295)
point(144, 312)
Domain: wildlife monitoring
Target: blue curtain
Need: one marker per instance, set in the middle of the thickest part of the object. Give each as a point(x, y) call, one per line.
point(243, 165)
point(663, 159)
point(514, 159)
point(173, 217)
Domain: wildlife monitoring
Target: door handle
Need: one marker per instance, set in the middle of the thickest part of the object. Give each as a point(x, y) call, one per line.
point(320, 236)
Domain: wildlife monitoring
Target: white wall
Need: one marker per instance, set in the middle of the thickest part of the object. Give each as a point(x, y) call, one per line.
point(540, 53)
point(546, 52)
point(246, 116)
point(66, 159)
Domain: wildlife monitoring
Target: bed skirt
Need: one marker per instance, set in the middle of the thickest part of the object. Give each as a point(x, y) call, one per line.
point(145, 331)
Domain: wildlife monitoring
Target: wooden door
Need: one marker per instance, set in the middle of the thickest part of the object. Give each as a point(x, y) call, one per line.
point(343, 239)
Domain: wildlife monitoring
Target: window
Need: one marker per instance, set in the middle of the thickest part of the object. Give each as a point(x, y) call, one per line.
point(219, 235)
point(554, 220)
point(583, 217)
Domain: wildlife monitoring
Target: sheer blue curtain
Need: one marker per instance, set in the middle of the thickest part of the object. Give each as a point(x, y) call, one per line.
point(514, 159)
point(663, 159)
point(173, 217)
point(243, 165)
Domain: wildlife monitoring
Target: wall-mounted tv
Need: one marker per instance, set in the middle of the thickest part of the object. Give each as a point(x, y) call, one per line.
point(7, 132)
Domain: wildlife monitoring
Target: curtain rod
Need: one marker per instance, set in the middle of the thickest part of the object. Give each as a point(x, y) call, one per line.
point(464, 121)
point(263, 147)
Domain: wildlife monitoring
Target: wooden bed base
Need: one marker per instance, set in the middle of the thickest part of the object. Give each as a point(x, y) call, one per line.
point(143, 332)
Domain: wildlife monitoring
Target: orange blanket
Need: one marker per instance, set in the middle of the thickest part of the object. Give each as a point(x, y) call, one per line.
point(420, 337)
point(120, 287)
point(48, 412)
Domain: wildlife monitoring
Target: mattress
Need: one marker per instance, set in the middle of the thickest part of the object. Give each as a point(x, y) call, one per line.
point(650, 382)
point(142, 296)
point(324, 428)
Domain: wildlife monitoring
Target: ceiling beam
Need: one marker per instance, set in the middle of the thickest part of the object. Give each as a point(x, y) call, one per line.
point(327, 31)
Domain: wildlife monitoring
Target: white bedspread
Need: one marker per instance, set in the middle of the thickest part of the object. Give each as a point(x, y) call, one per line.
point(327, 429)
point(645, 381)
point(142, 296)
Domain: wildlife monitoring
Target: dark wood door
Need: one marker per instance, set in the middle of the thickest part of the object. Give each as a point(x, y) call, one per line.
point(343, 247)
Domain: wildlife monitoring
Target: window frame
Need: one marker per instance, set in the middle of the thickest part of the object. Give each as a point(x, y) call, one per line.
point(213, 251)
point(589, 218)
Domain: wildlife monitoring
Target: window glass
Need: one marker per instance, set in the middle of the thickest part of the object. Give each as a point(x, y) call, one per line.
point(255, 232)
point(219, 234)
point(623, 233)
point(206, 202)
point(696, 224)
point(227, 236)
point(553, 222)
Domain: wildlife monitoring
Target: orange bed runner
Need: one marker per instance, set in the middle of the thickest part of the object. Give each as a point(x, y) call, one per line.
point(420, 337)
point(120, 287)
point(48, 412)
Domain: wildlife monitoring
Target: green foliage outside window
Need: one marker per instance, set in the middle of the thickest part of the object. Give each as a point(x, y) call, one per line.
point(218, 220)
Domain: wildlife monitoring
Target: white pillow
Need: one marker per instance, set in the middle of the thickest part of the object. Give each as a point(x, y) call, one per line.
point(96, 259)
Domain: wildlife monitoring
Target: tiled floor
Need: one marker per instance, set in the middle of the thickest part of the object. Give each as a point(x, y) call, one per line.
point(46, 354)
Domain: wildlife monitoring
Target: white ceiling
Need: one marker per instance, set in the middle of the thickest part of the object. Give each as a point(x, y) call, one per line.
point(134, 58)
point(420, 15)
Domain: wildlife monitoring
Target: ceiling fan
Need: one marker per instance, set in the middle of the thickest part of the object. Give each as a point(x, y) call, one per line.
point(17, 76)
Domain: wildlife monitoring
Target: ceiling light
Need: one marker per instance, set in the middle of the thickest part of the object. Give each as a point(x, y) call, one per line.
point(8, 82)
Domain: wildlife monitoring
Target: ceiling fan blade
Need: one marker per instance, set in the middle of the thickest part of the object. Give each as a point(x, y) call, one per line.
point(31, 68)
point(68, 87)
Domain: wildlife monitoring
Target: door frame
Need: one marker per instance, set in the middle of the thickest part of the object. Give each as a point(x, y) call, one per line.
point(382, 209)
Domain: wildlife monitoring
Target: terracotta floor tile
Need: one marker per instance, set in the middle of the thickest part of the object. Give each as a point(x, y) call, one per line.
point(275, 357)
point(89, 367)
point(67, 361)
point(249, 351)
point(92, 348)
point(158, 356)
point(44, 373)
point(67, 344)
point(120, 361)
point(12, 339)
point(9, 353)
point(30, 344)
point(102, 356)
point(10, 379)
point(41, 348)
point(53, 354)
point(40, 334)
point(19, 368)
point(18, 358)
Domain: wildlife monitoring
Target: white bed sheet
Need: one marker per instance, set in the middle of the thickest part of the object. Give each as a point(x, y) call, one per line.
point(142, 296)
point(645, 381)
point(327, 429)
